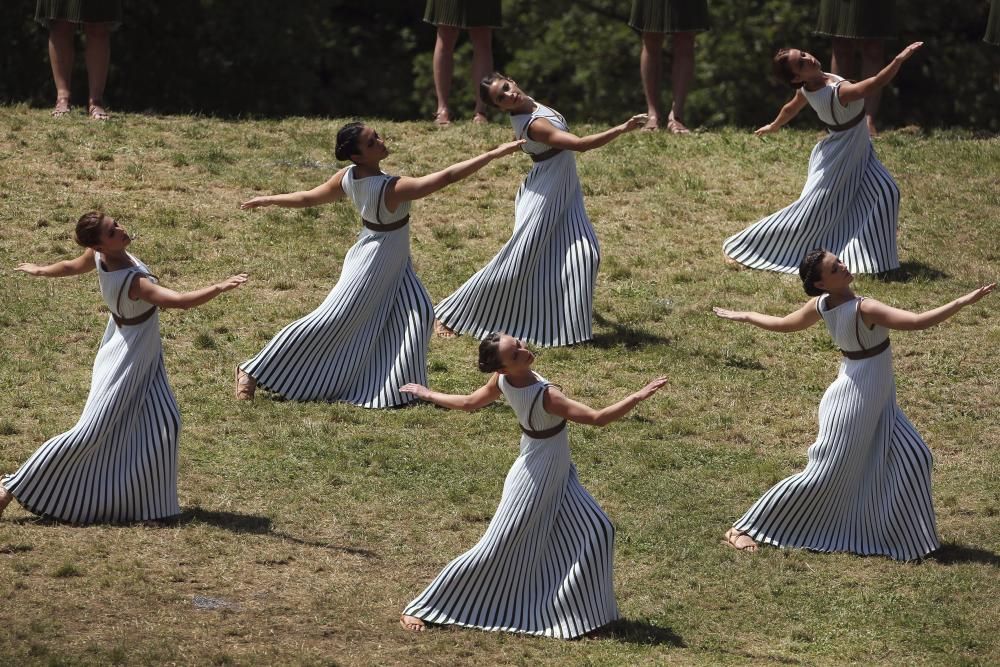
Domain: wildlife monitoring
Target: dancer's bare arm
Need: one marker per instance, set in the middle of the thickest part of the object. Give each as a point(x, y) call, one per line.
point(409, 188)
point(803, 318)
point(547, 133)
point(480, 398)
point(557, 403)
point(326, 193)
point(67, 267)
point(145, 289)
point(875, 312)
point(849, 92)
point(787, 113)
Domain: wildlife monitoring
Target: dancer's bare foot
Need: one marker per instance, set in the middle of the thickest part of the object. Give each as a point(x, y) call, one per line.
point(731, 262)
point(5, 498)
point(652, 123)
point(442, 331)
point(412, 623)
point(676, 126)
point(62, 107)
point(442, 117)
point(480, 118)
point(740, 541)
point(245, 385)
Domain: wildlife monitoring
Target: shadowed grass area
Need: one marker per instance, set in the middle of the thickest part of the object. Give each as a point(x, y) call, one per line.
point(307, 527)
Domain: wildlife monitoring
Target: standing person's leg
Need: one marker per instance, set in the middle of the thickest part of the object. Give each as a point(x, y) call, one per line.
point(872, 60)
point(482, 65)
point(61, 56)
point(444, 66)
point(650, 69)
point(681, 73)
point(98, 55)
point(842, 59)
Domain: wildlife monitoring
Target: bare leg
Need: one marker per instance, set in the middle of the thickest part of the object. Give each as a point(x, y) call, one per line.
point(650, 69)
point(444, 66)
point(5, 498)
point(61, 57)
point(842, 60)
point(682, 73)
point(482, 65)
point(98, 54)
point(411, 623)
point(872, 59)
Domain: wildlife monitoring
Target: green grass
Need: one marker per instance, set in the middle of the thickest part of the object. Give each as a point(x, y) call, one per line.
point(312, 525)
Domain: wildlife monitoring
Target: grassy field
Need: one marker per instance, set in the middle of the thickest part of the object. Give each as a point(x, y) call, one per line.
point(307, 527)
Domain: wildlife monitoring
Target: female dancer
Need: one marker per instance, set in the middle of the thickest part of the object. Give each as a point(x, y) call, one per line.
point(850, 203)
point(867, 486)
point(540, 286)
point(370, 334)
point(544, 565)
point(119, 463)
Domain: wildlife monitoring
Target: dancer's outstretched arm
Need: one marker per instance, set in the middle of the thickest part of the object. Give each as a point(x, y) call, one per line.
point(848, 92)
point(322, 194)
point(788, 112)
point(67, 267)
point(557, 403)
point(547, 133)
point(408, 188)
point(480, 398)
point(874, 312)
point(803, 318)
point(145, 289)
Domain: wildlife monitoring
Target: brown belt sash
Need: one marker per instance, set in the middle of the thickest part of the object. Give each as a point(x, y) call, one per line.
point(866, 354)
point(132, 321)
point(547, 155)
point(547, 433)
point(387, 227)
point(848, 125)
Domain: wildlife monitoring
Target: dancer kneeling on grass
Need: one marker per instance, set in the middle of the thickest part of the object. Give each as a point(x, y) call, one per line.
point(544, 566)
point(370, 335)
point(540, 286)
point(119, 463)
point(850, 203)
point(866, 488)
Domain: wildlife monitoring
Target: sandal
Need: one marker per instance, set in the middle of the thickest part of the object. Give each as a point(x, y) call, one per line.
point(442, 117)
point(480, 118)
point(62, 107)
point(96, 110)
point(676, 126)
point(246, 385)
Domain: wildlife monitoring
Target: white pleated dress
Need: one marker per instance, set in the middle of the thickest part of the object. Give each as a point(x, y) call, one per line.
point(866, 488)
point(369, 337)
point(849, 205)
point(544, 566)
point(119, 463)
point(540, 286)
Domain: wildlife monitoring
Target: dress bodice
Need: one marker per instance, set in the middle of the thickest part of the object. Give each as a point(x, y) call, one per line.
point(826, 103)
point(528, 404)
point(523, 121)
point(115, 286)
point(848, 330)
point(368, 196)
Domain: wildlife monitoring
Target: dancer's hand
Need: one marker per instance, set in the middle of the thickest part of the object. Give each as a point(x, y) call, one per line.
point(767, 129)
point(909, 51)
point(734, 315)
point(651, 388)
point(30, 269)
point(635, 122)
point(256, 202)
point(508, 148)
point(418, 390)
point(977, 294)
point(232, 282)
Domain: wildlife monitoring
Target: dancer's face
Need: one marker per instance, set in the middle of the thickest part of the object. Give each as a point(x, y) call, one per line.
point(114, 238)
point(506, 94)
point(834, 275)
point(803, 65)
point(371, 147)
point(514, 356)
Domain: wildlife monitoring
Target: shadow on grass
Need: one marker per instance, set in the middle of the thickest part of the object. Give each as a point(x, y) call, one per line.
point(623, 335)
point(642, 633)
point(952, 553)
point(912, 271)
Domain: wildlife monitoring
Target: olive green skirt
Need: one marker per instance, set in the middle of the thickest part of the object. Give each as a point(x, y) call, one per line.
point(993, 24)
point(858, 19)
point(79, 11)
point(669, 15)
point(463, 13)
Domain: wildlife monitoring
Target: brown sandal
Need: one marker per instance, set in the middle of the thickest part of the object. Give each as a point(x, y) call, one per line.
point(442, 117)
point(97, 111)
point(246, 385)
point(62, 107)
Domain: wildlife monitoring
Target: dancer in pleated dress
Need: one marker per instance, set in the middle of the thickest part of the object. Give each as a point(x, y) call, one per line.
point(866, 488)
point(370, 335)
point(540, 286)
point(119, 463)
point(544, 566)
point(850, 203)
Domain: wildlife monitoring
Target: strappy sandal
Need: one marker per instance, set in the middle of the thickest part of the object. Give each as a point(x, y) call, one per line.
point(62, 107)
point(442, 117)
point(97, 111)
point(675, 126)
point(246, 385)
point(480, 119)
